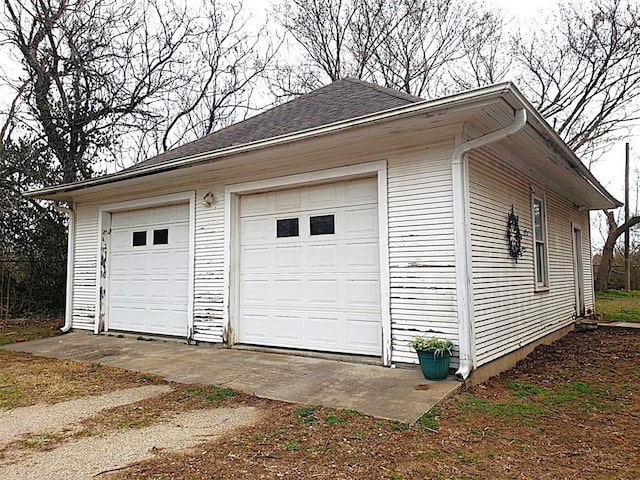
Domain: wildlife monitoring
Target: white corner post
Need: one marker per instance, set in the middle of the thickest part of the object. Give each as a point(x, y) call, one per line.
point(464, 277)
point(71, 233)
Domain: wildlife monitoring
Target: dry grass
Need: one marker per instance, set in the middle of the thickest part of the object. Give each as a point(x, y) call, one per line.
point(27, 380)
point(16, 330)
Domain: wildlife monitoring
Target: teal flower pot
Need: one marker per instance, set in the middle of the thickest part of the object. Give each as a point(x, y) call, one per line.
point(434, 367)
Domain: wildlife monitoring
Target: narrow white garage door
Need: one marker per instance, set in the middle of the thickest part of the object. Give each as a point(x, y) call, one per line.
point(149, 270)
point(309, 268)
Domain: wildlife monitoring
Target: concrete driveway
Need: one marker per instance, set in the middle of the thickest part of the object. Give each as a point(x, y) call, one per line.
point(393, 393)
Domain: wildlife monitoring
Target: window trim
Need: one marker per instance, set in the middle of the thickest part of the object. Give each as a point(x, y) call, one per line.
point(288, 219)
point(157, 231)
point(333, 221)
point(544, 285)
point(139, 236)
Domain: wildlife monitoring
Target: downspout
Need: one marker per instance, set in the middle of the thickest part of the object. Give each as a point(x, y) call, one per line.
point(68, 311)
point(464, 288)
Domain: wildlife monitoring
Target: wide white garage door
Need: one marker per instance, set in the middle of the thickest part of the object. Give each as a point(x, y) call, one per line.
point(149, 270)
point(309, 268)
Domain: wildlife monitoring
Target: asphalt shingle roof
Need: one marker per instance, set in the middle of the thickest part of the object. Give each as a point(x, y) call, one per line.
point(341, 100)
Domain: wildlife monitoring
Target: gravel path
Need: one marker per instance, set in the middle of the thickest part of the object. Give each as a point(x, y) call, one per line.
point(89, 457)
point(53, 418)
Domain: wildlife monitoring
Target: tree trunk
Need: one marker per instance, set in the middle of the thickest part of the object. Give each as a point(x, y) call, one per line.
point(606, 261)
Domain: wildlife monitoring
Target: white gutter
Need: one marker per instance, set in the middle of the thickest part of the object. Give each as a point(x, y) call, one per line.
point(464, 288)
point(68, 311)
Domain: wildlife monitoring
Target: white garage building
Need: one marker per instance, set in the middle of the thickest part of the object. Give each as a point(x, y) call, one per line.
point(348, 220)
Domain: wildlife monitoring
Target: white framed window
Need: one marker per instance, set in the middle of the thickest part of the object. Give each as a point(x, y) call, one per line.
point(540, 250)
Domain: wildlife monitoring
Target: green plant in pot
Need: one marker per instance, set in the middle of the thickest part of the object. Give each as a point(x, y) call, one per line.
point(434, 355)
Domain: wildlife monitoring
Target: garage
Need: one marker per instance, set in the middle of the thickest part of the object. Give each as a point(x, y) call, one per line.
point(310, 270)
point(148, 270)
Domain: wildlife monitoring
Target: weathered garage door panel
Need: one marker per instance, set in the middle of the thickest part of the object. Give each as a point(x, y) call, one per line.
point(149, 270)
point(309, 268)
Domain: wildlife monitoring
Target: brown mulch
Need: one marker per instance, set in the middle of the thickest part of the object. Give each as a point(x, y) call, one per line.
point(570, 410)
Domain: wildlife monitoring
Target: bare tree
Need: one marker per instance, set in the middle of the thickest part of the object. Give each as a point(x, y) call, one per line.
point(105, 77)
point(327, 30)
point(218, 82)
point(409, 45)
point(615, 231)
point(103, 82)
point(486, 58)
point(416, 52)
point(339, 37)
point(582, 71)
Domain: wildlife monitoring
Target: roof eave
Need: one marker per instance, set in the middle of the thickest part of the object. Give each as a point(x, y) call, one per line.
point(507, 91)
point(469, 98)
point(558, 145)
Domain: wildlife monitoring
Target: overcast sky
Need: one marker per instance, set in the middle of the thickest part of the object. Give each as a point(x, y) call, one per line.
point(609, 170)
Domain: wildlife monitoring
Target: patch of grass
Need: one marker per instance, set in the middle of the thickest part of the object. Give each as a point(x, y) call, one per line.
point(355, 413)
point(292, 445)
point(520, 409)
point(210, 393)
point(619, 305)
point(333, 420)
point(147, 377)
point(10, 392)
point(581, 388)
point(306, 414)
point(429, 420)
point(523, 389)
point(45, 441)
point(581, 394)
point(27, 380)
point(278, 432)
point(396, 426)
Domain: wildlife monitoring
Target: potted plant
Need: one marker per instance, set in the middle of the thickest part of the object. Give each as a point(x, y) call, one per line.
point(434, 355)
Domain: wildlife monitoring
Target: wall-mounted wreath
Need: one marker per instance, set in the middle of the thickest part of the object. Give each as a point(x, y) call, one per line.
point(514, 235)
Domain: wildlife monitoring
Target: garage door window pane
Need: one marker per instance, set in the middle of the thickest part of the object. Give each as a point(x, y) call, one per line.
point(322, 225)
point(161, 237)
point(139, 239)
point(287, 227)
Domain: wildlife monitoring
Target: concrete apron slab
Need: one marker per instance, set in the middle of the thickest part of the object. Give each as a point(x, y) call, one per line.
point(393, 393)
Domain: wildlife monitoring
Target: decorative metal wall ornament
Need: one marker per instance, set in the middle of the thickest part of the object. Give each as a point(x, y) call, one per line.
point(514, 235)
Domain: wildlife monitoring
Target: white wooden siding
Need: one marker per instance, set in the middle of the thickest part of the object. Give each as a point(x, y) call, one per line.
point(85, 262)
point(508, 312)
point(420, 238)
point(421, 251)
point(209, 266)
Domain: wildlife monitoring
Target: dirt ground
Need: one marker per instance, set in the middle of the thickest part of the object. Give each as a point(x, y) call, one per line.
point(570, 410)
